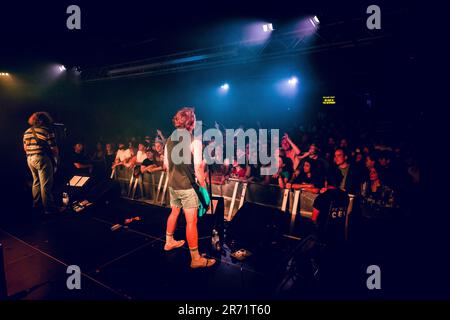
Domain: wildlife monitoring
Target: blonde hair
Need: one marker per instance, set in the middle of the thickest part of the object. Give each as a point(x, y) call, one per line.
point(184, 119)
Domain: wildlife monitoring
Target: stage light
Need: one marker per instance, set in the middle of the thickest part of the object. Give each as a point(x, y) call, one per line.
point(307, 26)
point(293, 81)
point(62, 68)
point(314, 21)
point(288, 87)
point(256, 33)
point(268, 27)
point(4, 74)
point(223, 89)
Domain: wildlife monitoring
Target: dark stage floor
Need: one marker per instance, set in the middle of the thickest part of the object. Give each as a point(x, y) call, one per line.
point(131, 263)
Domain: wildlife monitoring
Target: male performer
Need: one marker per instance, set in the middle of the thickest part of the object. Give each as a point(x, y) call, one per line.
point(40, 147)
point(182, 193)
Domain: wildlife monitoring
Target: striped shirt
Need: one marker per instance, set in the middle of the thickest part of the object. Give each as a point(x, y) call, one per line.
point(33, 146)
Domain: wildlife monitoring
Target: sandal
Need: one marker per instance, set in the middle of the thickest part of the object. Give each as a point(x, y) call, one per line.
point(173, 245)
point(202, 262)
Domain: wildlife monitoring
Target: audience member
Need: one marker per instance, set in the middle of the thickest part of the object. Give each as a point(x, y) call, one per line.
point(123, 156)
point(98, 159)
point(81, 165)
point(141, 154)
point(351, 181)
point(306, 178)
point(149, 165)
point(291, 151)
point(110, 156)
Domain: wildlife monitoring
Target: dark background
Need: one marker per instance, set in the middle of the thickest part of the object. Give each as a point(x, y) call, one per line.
point(34, 37)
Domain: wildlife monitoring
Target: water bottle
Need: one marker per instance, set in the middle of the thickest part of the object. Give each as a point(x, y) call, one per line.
point(364, 189)
point(215, 240)
point(65, 199)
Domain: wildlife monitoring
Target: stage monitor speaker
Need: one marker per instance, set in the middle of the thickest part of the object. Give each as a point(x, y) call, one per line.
point(91, 189)
point(254, 227)
point(104, 190)
point(77, 187)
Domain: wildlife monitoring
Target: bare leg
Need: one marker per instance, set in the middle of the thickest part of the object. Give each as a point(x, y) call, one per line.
point(171, 243)
point(191, 230)
point(197, 261)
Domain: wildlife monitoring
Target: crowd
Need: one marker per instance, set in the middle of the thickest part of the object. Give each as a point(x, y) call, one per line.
point(378, 172)
point(141, 156)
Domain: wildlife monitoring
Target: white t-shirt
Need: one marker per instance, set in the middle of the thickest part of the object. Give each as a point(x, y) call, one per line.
point(140, 157)
point(123, 154)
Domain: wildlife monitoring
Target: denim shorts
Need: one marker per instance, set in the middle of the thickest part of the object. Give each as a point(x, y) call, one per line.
point(186, 199)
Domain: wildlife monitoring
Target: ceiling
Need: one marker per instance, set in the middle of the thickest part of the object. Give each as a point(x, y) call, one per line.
point(115, 32)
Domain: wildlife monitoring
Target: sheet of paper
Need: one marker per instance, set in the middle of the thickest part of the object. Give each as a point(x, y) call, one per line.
point(73, 182)
point(82, 181)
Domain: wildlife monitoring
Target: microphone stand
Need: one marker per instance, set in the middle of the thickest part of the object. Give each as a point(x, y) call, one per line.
point(210, 189)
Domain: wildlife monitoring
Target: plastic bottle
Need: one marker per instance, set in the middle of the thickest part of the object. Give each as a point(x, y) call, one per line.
point(215, 240)
point(65, 199)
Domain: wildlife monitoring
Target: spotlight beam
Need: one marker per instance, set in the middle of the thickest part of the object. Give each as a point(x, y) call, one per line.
point(279, 45)
point(293, 81)
point(225, 87)
point(267, 27)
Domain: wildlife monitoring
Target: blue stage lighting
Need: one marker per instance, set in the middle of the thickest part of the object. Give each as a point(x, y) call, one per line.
point(293, 81)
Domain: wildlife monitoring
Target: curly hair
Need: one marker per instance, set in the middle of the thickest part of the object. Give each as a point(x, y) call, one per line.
point(184, 119)
point(41, 118)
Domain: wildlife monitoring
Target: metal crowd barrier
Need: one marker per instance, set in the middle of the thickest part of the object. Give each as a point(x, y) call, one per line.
point(148, 187)
point(152, 188)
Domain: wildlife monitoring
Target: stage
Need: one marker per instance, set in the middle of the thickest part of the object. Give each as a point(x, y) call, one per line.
point(130, 263)
point(124, 264)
